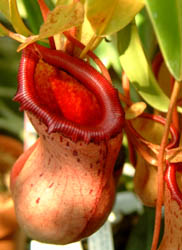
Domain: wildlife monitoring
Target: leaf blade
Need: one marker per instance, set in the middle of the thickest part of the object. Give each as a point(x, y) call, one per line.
point(108, 17)
point(60, 19)
point(34, 21)
point(16, 20)
point(3, 30)
point(167, 22)
point(138, 70)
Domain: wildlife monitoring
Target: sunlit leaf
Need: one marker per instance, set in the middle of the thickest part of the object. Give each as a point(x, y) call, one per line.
point(135, 110)
point(166, 16)
point(5, 32)
point(60, 19)
point(16, 20)
point(109, 16)
point(17, 37)
point(4, 8)
point(85, 31)
point(104, 51)
point(138, 70)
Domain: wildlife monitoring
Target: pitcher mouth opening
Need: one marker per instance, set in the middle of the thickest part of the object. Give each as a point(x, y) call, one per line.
point(108, 118)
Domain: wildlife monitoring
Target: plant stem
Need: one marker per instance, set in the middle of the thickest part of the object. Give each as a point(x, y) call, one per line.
point(96, 42)
point(88, 47)
point(124, 99)
point(99, 63)
point(161, 166)
point(126, 86)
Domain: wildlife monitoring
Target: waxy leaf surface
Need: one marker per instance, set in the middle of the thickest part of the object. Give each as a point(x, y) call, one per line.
point(135, 64)
point(166, 17)
point(146, 33)
point(108, 17)
point(104, 52)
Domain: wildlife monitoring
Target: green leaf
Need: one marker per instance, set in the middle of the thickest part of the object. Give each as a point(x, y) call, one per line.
point(16, 20)
point(3, 30)
point(104, 51)
point(146, 32)
point(166, 16)
point(51, 3)
point(85, 31)
point(8, 119)
point(34, 21)
point(141, 234)
point(138, 70)
point(7, 92)
point(109, 16)
point(62, 18)
point(4, 8)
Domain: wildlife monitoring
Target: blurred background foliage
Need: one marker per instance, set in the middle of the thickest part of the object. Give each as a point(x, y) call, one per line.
point(11, 120)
